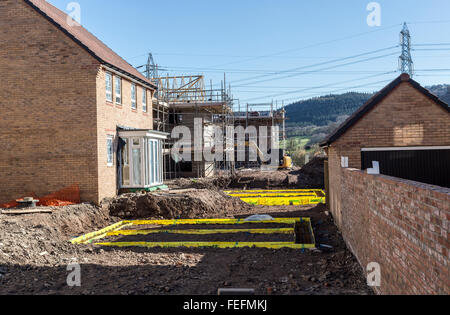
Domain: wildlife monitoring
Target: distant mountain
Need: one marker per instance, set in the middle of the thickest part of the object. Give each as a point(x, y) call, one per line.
point(324, 110)
point(442, 91)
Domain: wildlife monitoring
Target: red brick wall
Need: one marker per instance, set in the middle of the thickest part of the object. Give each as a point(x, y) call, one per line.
point(403, 226)
point(47, 105)
point(111, 115)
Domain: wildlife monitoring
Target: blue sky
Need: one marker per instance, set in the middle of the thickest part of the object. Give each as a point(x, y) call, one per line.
point(257, 38)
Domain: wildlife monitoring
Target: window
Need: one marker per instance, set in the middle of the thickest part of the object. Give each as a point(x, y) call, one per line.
point(133, 96)
point(125, 162)
point(140, 157)
point(144, 100)
point(109, 87)
point(118, 88)
point(137, 163)
point(110, 150)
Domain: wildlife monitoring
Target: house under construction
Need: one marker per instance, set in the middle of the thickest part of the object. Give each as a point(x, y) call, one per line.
point(254, 118)
point(185, 101)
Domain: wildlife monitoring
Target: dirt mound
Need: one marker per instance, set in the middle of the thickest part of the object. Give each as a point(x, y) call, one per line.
point(309, 176)
point(44, 238)
point(215, 183)
point(186, 204)
point(257, 179)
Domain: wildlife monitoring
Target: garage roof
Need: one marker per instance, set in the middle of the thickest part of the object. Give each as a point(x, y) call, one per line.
point(377, 98)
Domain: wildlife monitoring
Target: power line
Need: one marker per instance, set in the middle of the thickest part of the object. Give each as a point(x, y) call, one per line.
point(378, 83)
point(328, 68)
point(430, 22)
point(314, 65)
point(306, 88)
point(438, 44)
point(318, 87)
point(266, 72)
point(313, 45)
point(432, 49)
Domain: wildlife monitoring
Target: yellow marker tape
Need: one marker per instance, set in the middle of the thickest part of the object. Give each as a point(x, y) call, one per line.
point(275, 191)
point(211, 221)
point(203, 232)
point(90, 237)
point(87, 238)
point(271, 245)
point(283, 201)
point(273, 195)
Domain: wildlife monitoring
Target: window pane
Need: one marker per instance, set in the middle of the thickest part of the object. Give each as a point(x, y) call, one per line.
point(149, 161)
point(144, 100)
point(125, 164)
point(109, 150)
point(137, 167)
point(144, 96)
point(108, 87)
point(156, 162)
point(118, 88)
point(152, 163)
point(133, 96)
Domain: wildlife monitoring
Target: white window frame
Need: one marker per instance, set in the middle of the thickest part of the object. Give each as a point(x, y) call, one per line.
point(109, 92)
point(118, 91)
point(109, 153)
point(133, 96)
point(144, 99)
point(152, 167)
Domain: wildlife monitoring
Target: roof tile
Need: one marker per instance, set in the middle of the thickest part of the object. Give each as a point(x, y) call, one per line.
point(95, 46)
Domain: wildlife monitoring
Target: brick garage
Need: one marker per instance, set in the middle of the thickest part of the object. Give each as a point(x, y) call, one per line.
point(55, 117)
point(403, 225)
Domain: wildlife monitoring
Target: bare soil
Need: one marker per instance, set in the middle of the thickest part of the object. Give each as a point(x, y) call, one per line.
point(35, 252)
point(235, 237)
point(310, 176)
point(190, 204)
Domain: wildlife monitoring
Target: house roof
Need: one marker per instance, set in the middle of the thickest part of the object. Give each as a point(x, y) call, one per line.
point(373, 101)
point(87, 40)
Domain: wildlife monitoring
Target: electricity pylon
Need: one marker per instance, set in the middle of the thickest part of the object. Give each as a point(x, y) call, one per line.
point(406, 64)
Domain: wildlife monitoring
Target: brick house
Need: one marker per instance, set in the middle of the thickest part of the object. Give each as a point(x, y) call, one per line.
point(404, 128)
point(73, 111)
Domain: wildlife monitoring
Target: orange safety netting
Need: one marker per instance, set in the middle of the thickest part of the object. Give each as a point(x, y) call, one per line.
point(64, 197)
point(15, 204)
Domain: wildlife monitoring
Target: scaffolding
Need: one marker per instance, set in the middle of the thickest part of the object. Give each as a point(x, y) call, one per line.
point(179, 100)
point(269, 115)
